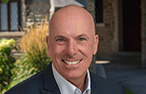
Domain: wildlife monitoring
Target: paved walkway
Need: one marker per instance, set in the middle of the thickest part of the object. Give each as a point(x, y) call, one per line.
point(125, 69)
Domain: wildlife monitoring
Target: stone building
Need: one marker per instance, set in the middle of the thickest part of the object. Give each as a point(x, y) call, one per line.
point(122, 27)
point(16, 15)
point(121, 24)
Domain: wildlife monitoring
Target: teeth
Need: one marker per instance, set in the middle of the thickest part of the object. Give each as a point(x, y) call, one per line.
point(71, 62)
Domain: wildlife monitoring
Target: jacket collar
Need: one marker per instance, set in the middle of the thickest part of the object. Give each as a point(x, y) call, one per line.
point(94, 87)
point(50, 85)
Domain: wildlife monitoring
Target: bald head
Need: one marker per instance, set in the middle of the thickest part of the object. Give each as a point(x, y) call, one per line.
point(72, 43)
point(71, 16)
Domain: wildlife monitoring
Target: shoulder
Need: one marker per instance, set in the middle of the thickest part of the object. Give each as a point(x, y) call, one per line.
point(102, 81)
point(28, 86)
point(105, 86)
point(33, 84)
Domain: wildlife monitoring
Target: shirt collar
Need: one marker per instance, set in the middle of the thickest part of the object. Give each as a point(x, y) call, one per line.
point(88, 84)
point(66, 87)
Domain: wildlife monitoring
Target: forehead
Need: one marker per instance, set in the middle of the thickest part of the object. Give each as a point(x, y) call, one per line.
point(70, 28)
point(71, 21)
point(71, 24)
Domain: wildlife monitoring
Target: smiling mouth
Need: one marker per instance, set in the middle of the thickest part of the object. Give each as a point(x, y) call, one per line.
point(71, 62)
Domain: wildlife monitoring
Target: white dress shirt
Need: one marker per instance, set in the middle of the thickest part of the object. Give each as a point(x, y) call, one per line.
point(66, 87)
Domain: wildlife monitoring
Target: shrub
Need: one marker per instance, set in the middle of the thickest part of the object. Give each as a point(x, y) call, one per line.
point(129, 92)
point(35, 57)
point(22, 70)
point(6, 61)
point(33, 44)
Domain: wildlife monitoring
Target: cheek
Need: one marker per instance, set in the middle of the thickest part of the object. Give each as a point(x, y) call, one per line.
point(56, 50)
point(87, 51)
point(88, 48)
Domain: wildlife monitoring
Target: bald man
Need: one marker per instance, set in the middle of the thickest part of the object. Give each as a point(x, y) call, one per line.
point(71, 44)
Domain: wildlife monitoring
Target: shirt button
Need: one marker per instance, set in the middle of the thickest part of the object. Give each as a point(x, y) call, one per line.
point(77, 91)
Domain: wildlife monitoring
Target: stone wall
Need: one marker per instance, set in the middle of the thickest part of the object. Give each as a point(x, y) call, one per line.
point(143, 32)
point(35, 11)
point(105, 30)
point(91, 7)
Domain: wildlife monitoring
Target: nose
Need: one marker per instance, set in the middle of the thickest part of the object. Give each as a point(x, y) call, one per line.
point(71, 48)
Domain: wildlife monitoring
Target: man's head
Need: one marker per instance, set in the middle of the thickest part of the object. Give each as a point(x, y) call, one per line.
point(72, 41)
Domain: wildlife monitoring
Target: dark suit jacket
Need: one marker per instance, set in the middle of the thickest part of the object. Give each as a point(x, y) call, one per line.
point(44, 83)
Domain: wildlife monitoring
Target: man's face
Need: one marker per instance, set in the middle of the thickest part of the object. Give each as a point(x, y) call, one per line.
point(71, 45)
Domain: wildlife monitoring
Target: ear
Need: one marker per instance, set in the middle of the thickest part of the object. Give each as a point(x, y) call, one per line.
point(48, 45)
point(95, 44)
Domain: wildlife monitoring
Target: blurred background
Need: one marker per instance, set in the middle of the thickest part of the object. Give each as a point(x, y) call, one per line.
point(120, 24)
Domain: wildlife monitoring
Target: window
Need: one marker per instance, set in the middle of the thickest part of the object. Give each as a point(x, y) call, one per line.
point(99, 11)
point(11, 16)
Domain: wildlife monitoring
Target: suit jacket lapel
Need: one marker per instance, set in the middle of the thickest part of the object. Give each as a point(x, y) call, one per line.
point(50, 85)
point(101, 86)
point(97, 85)
point(94, 87)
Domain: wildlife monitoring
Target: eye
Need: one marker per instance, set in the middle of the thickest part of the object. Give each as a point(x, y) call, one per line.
point(60, 40)
point(82, 39)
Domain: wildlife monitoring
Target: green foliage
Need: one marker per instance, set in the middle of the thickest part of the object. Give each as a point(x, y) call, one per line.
point(129, 92)
point(5, 1)
point(35, 57)
point(6, 61)
point(23, 69)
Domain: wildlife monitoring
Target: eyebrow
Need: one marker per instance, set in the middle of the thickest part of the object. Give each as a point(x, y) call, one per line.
point(83, 35)
point(61, 36)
